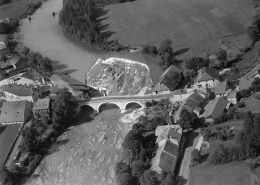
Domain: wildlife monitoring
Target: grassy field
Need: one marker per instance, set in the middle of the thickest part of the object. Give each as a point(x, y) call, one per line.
point(228, 174)
point(194, 24)
point(252, 104)
point(16, 9)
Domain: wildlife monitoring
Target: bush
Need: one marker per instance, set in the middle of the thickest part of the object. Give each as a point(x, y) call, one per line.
point(34, 163)
point(244, 93)
point(241, 104)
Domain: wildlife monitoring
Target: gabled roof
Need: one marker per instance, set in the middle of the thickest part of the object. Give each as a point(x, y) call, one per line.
point(170, 69)
point(2, 45)
point(160, 87)
point(205, 74)
point(193, 101)
point(172, 132)
point(64, 81)
point(13, 111)
point(215, 107)
point(42, 104)
point(18, 90)
point(245, 83)
point(221, 88)
point(165, 157)
point(232, 94)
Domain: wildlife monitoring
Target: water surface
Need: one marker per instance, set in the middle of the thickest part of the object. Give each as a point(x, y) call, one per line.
point(44, 35)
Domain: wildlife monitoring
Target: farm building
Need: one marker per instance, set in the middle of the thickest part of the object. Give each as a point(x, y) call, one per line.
point(168, 139)
point(15, 92)
point(206, 78)
point(191, 104)
point(232, 97)
point(15, 112)
point(161, 87)
point(41, 106)
point(75, 87)
point(214, 109)
point(221, 89)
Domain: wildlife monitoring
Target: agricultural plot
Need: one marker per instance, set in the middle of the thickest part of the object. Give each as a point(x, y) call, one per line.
point(228, 174)
point(195, 24)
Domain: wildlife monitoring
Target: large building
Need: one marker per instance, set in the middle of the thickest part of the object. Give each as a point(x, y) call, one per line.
point(15, 92)
point(75, 87)
point(161, 86)
point(206, 78)
point(168, 140)
point(41, 106)
point(15, 112)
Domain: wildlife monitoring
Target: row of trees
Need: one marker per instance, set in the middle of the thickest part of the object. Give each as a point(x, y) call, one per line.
point(248, 143)
point(45, 128)
point(254, 29)
point(41, 64)
point(6, 27)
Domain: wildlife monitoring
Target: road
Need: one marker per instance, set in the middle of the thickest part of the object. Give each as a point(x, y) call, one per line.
point(128, 97)
point(252, 72)
point(190, 144)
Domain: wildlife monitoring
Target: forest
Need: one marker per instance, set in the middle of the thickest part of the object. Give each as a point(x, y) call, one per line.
point(78, 19)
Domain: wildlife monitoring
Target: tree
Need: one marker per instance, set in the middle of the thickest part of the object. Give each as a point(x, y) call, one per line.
point(6, 177)
point(196, 63)
point(153, 50)
point(146, 49)
point(169, 180)
point(196, 156)
point(221, 55)
point(173, 80)
point(253, 32)
point(63, 108)
point(256, 85)
point(125, 179)
point(256, 20)
point(148, 178)
point(122, 167)
point(187, 119)
point(244, 93)
point(155, 122)
point(138, 168)
point(166, 47)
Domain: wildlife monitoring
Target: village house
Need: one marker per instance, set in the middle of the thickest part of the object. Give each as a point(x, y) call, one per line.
point(168, 140)
point(221, 89)
point(14, 63)
point(78, 89)
point(18, 92)
point(15, 112)
point(41, 107)
point(161, 86)
point(214, 109)
point(191, 104)
point(206, 78)
point(232, 97)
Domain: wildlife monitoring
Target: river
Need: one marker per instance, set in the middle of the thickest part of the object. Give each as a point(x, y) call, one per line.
point(44, 35)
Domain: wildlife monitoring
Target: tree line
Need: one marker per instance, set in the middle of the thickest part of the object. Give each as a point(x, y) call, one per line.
point(78, 19)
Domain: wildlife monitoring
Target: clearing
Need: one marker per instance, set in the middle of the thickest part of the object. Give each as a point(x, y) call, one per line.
point(252, 104)
point(197, 25)
point(228, 174)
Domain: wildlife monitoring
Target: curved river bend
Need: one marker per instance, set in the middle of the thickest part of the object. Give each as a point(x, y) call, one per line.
point(44, 35)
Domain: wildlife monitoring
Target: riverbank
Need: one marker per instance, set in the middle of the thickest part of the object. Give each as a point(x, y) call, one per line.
point(19, 9)
point(120, 76)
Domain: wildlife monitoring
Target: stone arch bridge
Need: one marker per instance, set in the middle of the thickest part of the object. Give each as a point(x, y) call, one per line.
point(122, 101)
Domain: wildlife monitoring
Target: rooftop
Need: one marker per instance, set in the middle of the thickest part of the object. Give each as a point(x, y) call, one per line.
point(206, 73)
point(18, 90)
point(221, 88)
point(13, 111)
point(42, 104)
point(160, 87)
point(215, 107)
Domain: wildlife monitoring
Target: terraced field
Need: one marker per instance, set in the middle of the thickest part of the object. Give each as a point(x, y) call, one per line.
point(201, 25)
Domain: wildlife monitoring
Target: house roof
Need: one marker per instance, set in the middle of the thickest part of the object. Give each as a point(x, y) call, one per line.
point(13, 111)
point(205, 74)
point(193, 101)
point(18, 90)
point(161, 129)
point(165, 157)
point(8, 135)
point(160, 87)
point(2, 45)
point(221, 88)
point(54, 89)
point(64, 81)
point(42, 104)
point(172, 132)
point(232, 94)
point(170, 69)
point(245, 83)
point(215, 107)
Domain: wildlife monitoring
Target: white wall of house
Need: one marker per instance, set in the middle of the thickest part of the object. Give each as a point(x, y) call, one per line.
point(221, 95)
point(205, 84)
point(232, 100)
point(12, 97)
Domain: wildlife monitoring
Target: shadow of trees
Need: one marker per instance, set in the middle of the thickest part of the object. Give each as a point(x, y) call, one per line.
point(2, 128)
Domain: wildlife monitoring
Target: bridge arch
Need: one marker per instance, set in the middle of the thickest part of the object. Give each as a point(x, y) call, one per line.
point(104, 103)
point(136, 102)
